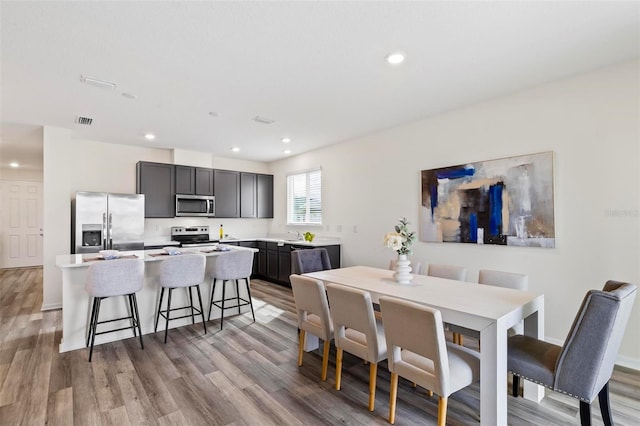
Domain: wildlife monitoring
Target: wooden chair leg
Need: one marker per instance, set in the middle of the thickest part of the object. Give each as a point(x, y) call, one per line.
point(430, 393)
point(373, 374)
point(393, 394)
point(605, 407)
point(460, 340)
point(442, 411)
point(301, 346)
point(585, 413)
point(325, 359)
point(338, 367)
point(414, 384)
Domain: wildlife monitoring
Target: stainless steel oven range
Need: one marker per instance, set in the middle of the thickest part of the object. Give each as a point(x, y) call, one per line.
point(192, 236)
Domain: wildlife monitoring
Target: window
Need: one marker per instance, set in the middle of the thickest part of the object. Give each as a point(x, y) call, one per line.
point(304, 201)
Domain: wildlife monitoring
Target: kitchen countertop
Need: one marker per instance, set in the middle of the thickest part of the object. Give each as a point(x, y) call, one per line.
point(319, 242)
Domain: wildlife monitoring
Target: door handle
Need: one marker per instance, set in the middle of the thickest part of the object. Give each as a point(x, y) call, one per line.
point(110, 231)
point(104, 231)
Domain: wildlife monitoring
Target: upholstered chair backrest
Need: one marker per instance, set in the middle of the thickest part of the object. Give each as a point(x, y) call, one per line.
point(311, 299)
point(352, 309)
point(182, 270)
point(419, 329)
point(449, 272)
point(311, 260)
point(115, 277)
point(233, 265)
point(504, 279)
point(589, 353)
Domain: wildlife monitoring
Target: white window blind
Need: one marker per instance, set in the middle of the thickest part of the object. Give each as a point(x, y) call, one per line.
point(304, 200)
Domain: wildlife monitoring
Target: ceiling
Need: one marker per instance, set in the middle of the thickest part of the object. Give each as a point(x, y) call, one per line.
point(316, 68)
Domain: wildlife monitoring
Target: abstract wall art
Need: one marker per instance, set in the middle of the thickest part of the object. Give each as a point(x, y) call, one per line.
point(508, 201)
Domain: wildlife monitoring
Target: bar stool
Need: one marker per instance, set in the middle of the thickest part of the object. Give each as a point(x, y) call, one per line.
point(186, 271)
point(109, 278)
point(233, 266)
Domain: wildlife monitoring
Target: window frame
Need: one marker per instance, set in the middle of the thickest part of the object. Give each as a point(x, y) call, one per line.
point(308, 189)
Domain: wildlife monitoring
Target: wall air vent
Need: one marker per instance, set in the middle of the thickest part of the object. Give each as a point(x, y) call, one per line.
point(84, 120)
point(263, 120)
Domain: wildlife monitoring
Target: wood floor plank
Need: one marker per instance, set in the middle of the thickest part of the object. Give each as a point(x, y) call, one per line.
point(246, 374)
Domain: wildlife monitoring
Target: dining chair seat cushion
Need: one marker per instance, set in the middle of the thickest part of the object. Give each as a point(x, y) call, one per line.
point(182, 271)
point(464, 367)
point(115, 277)
point(534, 358)
point(355, 342)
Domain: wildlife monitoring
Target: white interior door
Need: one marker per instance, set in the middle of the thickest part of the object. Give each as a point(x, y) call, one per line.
point(20, 224)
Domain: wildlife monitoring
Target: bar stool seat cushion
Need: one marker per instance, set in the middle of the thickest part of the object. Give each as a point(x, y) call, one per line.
point(116, 277)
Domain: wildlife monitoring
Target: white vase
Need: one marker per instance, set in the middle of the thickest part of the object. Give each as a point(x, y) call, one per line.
point(403, 270)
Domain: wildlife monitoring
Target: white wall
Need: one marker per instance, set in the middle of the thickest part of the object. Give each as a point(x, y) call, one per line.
point(591, 122)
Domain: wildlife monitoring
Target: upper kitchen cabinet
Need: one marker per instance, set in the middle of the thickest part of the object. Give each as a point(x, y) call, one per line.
point(157, 182)
point(256, 195)
point(248, 195)
point(226, 185)
point(194, 180)
point(264, 196)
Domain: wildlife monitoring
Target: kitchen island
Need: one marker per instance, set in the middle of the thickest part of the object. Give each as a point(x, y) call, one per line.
point(76, 303)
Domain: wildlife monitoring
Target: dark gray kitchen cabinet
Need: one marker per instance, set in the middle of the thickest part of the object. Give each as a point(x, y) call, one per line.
point(226, 185)
point(264, 196)
point(284, 263)
point(194, 180)
point(185, 180)
point(272, 262)
point(203, 181)
point(157, 182)
point(262, 258)
point(248, 206)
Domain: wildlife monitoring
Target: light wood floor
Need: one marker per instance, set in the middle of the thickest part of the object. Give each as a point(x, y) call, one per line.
point(243, 375)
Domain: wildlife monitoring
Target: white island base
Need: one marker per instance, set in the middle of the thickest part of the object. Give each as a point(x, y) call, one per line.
point(76, 303)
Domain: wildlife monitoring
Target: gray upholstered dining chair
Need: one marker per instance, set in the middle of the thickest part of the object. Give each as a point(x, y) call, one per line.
point(110, 278)
point(419, 352)
point(357, 331)
point(583, 366)
point(309, 260)
point(450, 272)
point(314, 317)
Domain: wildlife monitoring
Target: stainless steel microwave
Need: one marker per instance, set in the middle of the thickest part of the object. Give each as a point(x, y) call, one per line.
point(195, 205)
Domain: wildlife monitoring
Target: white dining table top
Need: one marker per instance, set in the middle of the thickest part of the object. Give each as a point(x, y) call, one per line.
point(483, 301)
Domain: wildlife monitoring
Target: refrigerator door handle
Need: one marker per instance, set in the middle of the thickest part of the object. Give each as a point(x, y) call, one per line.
point(110, 231)
point(104, 231)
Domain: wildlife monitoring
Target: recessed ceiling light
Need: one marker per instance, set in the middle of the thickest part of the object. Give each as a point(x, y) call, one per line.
point(215, 114)
point(287, 151)
point(395, 58)
point(149, 136)
point(14, 164)
point(286, 140)
point(235, 149)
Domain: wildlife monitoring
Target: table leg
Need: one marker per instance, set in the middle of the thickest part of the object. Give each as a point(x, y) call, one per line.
point(493, 375)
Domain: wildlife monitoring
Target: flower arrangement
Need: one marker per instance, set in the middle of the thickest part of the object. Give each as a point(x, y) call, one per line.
point(400, 240)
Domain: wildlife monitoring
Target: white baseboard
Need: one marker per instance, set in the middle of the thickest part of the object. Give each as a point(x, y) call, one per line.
point(51, 307)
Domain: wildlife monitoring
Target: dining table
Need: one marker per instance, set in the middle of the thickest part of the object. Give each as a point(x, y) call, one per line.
point(490, 310)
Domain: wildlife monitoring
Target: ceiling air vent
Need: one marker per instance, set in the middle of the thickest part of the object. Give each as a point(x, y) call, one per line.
point(263, 120)
point(84, 120)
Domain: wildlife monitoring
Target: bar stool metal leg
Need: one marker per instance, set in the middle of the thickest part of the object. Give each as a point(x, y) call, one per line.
point(135, 306)
point(237, 296)
point(246, 280)
point(204, 324)
point(213, 290)
point(93, 313)
point(166, 328)
point(95, 325)
point(155, 328)
point(131, 316)
point(191, 303)
point(223, 296)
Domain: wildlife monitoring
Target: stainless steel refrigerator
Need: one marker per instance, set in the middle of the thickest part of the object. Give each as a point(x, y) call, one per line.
point(104, 221)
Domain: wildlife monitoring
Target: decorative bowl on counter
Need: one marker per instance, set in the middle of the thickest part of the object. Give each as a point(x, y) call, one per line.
point(109, 254)
point(171, 250)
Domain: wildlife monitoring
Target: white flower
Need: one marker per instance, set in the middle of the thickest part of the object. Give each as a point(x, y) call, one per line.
point(393, 240)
